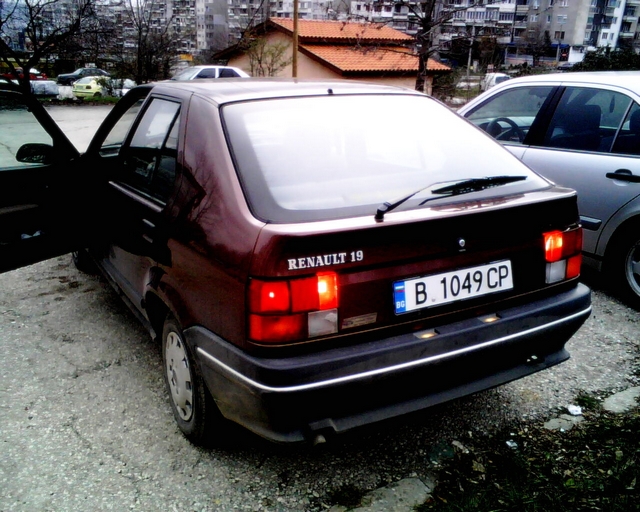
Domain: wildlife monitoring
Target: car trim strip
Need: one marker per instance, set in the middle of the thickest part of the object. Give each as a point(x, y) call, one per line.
point(388, 369)
point(136, 197)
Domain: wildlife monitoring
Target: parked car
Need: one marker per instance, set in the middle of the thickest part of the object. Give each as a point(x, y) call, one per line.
point(194, 72)
point(97, 86)
point(88, 87)
point(492, 79)
point(70, 78)
point(580, 130)
point(305, 269)
point(34, 74)
point(565, 66)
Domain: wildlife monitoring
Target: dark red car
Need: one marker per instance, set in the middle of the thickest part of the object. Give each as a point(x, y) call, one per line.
point(312, 256)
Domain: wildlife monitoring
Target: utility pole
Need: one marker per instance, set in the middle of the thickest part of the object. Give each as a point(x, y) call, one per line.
point(294, 57)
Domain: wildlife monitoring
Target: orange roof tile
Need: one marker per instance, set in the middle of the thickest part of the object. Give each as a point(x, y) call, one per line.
point(343, 30)
point(373, 58)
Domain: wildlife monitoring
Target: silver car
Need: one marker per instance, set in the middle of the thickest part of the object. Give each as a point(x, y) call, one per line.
point(580, 130)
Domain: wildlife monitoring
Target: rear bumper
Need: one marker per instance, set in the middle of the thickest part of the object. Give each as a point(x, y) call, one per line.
point(296, 398)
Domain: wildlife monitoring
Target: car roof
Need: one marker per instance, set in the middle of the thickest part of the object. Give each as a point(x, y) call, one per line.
point(626, 79)
point(241, 89)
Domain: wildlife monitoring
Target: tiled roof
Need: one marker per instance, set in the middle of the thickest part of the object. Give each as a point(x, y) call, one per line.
point(333, 31)
point(373, 58)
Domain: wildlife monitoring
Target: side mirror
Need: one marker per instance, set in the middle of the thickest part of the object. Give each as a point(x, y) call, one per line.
point(35, 153)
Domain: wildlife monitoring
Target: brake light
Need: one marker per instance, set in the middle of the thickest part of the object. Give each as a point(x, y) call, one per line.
point(293, 309)
point(563, 253)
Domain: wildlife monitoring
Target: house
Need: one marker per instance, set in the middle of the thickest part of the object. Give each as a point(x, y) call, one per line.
point(370, 52)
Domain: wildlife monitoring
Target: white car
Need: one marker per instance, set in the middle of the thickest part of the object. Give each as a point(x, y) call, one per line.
point(492, 79)
point(210, 72)
point(580, 130)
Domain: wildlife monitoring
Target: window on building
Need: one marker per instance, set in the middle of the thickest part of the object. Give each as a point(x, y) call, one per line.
point(562, 19)
point(548, 18)
point(605, 36)
point(558, 35)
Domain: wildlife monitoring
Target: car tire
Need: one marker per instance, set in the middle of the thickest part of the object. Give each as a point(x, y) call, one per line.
point(97, 95)
point(193, 407)
point(83, 262)
point(623, 265)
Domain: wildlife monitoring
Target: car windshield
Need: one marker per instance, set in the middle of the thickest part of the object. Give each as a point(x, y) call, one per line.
point(85, 80)
point(187, 74)
point(320, 158)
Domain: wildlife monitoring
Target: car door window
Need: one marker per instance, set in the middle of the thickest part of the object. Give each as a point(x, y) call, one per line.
point(207, 73)
point(18, 126)
point(508, 116)
point(228, 73)
point(150, 159)
point(587, 119)
point(628, 140)
point(114, 140)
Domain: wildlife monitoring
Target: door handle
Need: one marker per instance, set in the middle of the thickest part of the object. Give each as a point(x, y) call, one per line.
point(623, 175)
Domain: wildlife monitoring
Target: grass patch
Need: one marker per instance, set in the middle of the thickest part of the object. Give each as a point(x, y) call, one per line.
point(593, 466)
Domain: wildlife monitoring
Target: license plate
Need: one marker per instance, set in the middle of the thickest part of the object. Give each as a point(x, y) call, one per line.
point(438, 289)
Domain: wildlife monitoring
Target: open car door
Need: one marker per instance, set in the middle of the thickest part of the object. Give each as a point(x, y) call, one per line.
point(43, 196)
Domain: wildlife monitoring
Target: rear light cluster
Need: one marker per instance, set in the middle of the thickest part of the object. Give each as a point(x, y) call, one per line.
point(289, 310)
point(562, 251)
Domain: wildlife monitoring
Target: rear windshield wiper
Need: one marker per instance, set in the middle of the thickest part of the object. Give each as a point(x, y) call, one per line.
point(455, 189)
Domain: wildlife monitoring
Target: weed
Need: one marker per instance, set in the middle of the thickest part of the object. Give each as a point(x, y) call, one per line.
point(594, 466)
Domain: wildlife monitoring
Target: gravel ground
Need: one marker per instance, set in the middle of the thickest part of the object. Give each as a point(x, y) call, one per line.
point(85, 423)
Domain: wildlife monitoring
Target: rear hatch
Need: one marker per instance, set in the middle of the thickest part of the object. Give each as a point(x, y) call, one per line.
point(386, 210)
point(414, 270)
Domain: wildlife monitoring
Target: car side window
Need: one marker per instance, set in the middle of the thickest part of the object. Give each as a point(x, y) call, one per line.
point(587, 119)
point(228, 73)
point(508, 115)
point(628, 140)
point(150, 159)
point(207, 73)
point(118, 133)
point(18, 126)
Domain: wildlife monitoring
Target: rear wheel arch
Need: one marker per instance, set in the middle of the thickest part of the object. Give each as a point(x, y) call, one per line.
point(619, 259)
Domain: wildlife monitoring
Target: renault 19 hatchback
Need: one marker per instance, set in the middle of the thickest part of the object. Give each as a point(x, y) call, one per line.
point(312, 256)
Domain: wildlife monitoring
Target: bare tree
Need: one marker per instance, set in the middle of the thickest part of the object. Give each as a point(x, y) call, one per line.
point(426, 16)
point(537, 42)
point(45, 26)
point(152, 37)
point(267, 59)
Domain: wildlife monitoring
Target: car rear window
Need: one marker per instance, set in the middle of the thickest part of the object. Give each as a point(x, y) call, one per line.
point(321, 158)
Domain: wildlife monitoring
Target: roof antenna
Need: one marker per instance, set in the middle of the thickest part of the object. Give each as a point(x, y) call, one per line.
point(329, 91)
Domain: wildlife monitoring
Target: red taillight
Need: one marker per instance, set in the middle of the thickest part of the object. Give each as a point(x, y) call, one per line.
point(560, 245)
point(553, 242)
point(269, 296)
point(562, 251)
point(292, 309)
point(328, 290)
point(276, 328)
